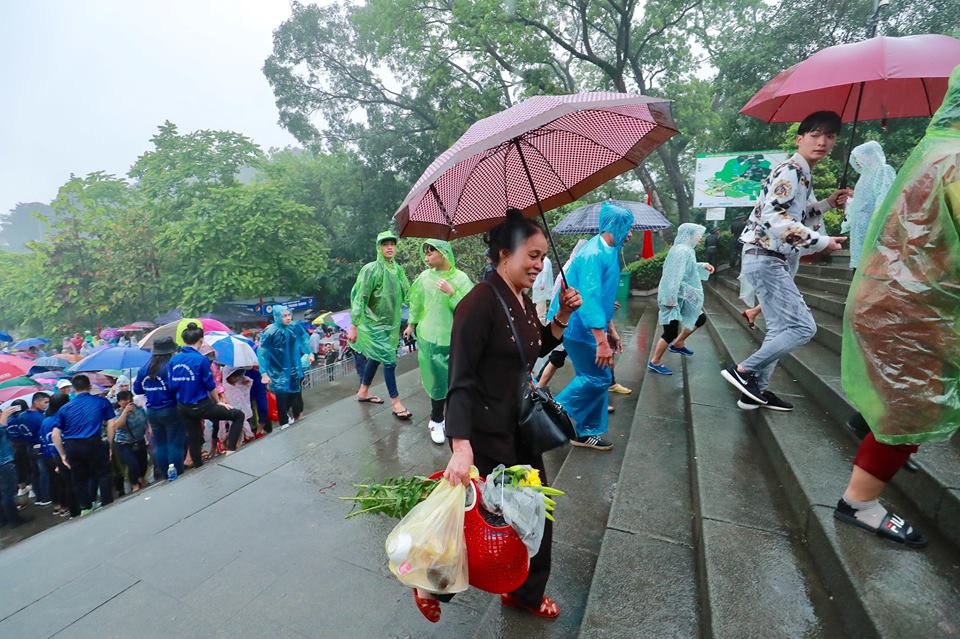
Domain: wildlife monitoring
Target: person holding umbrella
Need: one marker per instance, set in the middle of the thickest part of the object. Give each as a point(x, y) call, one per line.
point(784, 224)
point(153, 381)
point(433, 297)
point(282, 345)
point(592, 339)
point(375, 308)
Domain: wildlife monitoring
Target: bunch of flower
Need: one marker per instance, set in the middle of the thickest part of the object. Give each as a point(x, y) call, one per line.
point(523, 476)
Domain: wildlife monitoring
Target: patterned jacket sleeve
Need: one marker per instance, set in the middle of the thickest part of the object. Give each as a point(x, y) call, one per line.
point(782, 214)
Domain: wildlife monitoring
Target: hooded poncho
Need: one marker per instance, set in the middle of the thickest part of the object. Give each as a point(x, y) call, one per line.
point(680, 295)
point(281, 347)
point(431, 310)
point(595, 273)
point(901, 335)
point(376, 305)
point(876, 178)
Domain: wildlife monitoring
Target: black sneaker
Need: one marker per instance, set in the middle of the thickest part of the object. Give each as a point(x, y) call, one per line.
point(593, 442)
point(746, 403)
point(746, 384)
point(775, 403)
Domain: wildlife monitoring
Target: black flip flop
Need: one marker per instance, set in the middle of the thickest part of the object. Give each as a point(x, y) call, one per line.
point(751, 325)
point(405, 416)
point(892, 527)
point(373, 399)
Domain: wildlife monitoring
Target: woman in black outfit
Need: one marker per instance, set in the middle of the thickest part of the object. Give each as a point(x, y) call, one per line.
point(485, 373)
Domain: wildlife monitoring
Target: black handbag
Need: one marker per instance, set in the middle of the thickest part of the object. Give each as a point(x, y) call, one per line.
point(543, 424)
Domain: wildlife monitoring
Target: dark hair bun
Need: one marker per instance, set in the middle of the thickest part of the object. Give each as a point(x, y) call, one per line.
point(515, 215)
point(510, 234)
point(192, 325)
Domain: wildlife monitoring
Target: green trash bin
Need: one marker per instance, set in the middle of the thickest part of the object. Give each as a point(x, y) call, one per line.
point(623, 289)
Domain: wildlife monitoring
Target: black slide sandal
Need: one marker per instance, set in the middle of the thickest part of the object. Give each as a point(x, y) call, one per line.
point(892, 527)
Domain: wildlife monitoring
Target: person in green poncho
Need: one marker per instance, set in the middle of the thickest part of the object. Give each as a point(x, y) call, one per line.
point(375, 309)
point(433, 296)
point(900, 364)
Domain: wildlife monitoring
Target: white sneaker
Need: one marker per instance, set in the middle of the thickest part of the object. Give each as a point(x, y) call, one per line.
point(437, 432)
point(23, 492)
point(290, 421)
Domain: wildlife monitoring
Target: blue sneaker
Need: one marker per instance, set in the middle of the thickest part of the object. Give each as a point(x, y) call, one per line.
point(659, 368)
point(683, 350)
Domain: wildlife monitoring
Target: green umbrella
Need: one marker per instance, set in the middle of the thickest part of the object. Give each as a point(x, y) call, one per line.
point(19, 381)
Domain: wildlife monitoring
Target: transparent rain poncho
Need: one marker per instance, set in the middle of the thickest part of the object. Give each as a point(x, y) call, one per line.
point(376, 305)
point(541, 290)
point(431, 310)
point(280, 352)
point(680, 295)
point(876, 178)
point(901, 335)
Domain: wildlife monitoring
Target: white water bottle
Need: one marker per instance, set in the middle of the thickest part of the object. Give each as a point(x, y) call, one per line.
point(171, 472)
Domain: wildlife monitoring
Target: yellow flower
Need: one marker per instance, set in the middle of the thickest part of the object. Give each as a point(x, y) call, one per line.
point(532, 479)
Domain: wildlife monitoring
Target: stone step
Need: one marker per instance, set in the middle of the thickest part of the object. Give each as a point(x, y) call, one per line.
point(880, 588)
point(832, 271)
point(756, 577)
point(823, 284)
point(644, 584)
point(934, 488)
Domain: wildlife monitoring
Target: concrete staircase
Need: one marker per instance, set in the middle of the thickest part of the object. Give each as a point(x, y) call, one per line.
point(721, 522)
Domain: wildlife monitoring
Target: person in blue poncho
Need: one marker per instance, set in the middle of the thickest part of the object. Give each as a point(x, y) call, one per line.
point(591, 339)
point(680, 296)
point(282, 345)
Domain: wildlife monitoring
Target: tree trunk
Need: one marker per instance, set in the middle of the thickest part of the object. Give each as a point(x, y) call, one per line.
point(677, 182)
point(644, 175)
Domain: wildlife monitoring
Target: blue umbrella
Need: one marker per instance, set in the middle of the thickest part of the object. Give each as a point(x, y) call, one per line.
point(586, 219)
point(50, 363)
point(232, 350)
point(120, 357)
point(30, 341)
point(5, 337)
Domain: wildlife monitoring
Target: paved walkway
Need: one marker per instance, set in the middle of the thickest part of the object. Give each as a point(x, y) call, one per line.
point(257, 545)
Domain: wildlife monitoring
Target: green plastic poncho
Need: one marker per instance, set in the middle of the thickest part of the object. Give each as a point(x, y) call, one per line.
point(876, 178)
point(901, 334)
point(680, 295)
point(376, 305)
point(280, 352)
point(431, 310)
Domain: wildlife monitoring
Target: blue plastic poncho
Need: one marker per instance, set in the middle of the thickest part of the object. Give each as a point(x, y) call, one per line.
point(595, 273)
point(680, 295)
point(431, 310)
point(376, 305)
point(876, 178)
point(281, 347)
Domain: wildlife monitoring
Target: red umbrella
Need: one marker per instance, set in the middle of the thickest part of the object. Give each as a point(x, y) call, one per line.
point(13, 366)
point(535, 156)
point(874, 79)
point(13, 392)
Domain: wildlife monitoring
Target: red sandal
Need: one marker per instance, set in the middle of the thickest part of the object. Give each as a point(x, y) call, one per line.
point(429, 608)
point(548, 608)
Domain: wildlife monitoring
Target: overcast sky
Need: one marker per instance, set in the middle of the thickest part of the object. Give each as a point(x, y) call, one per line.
point(84, 84)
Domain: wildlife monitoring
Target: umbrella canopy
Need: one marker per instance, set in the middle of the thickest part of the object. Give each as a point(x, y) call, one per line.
point(50, 363)
point(231, 350)
point(30, 341)
point(144, 325)
point(13, 392)
point(109, 333)
point(12, 366)
point(5, 337)
point(869, 80)
point(535, 156)
point(342, 319)
point(23, 380)
point(121, 357)
point(175, 328)
point(324, 318)
point(586, 219)
point(49, 377)
point(26, 395)
point(130, 328)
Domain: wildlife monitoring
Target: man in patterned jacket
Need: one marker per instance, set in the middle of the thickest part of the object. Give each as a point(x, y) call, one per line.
point(784, 223)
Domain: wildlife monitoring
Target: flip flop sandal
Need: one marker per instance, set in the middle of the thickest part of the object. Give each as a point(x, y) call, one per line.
point(429, 608)
point(548, 608)
point(892, 527)
point(611, 410)
point(403, 416)
point(750, 324)
point(373, 399)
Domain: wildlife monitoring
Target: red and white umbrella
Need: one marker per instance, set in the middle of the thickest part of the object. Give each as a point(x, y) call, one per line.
point(535, 156)
point(13, 366)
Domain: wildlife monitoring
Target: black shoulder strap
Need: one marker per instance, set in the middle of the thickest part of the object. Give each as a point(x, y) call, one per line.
point(513, 327)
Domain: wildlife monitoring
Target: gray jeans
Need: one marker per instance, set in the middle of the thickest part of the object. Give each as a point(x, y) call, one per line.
point(789, 322)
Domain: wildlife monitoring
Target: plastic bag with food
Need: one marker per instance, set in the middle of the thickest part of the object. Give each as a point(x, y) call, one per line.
point(427, 549)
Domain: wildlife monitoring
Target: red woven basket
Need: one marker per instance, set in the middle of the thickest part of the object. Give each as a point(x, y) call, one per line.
point(497, 558)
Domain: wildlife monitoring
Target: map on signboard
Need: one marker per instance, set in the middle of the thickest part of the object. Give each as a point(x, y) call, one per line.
point(732, 179)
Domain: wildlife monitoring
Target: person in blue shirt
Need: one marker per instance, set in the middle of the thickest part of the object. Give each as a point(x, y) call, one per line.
point(8, 476)
point(191, 379)
point(61, 490)
point(77, 436)
point(153, 380)
point(592, 338)
point(24, 431)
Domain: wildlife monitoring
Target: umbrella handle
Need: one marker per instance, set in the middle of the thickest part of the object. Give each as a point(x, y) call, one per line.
point(536, 198)
point(853, 137)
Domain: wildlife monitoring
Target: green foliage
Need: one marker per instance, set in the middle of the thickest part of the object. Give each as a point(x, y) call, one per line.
point(832, 220)
point(645, 274)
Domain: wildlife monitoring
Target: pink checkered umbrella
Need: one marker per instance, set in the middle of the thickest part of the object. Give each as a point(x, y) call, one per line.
point(535, 156)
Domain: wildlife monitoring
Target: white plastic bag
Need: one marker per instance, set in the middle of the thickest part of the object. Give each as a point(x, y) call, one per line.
point(427, 549)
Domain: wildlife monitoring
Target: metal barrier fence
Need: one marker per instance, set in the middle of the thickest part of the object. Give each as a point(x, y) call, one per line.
point(338, 370)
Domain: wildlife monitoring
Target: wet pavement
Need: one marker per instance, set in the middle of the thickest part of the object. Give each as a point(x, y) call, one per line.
point(256, 545)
